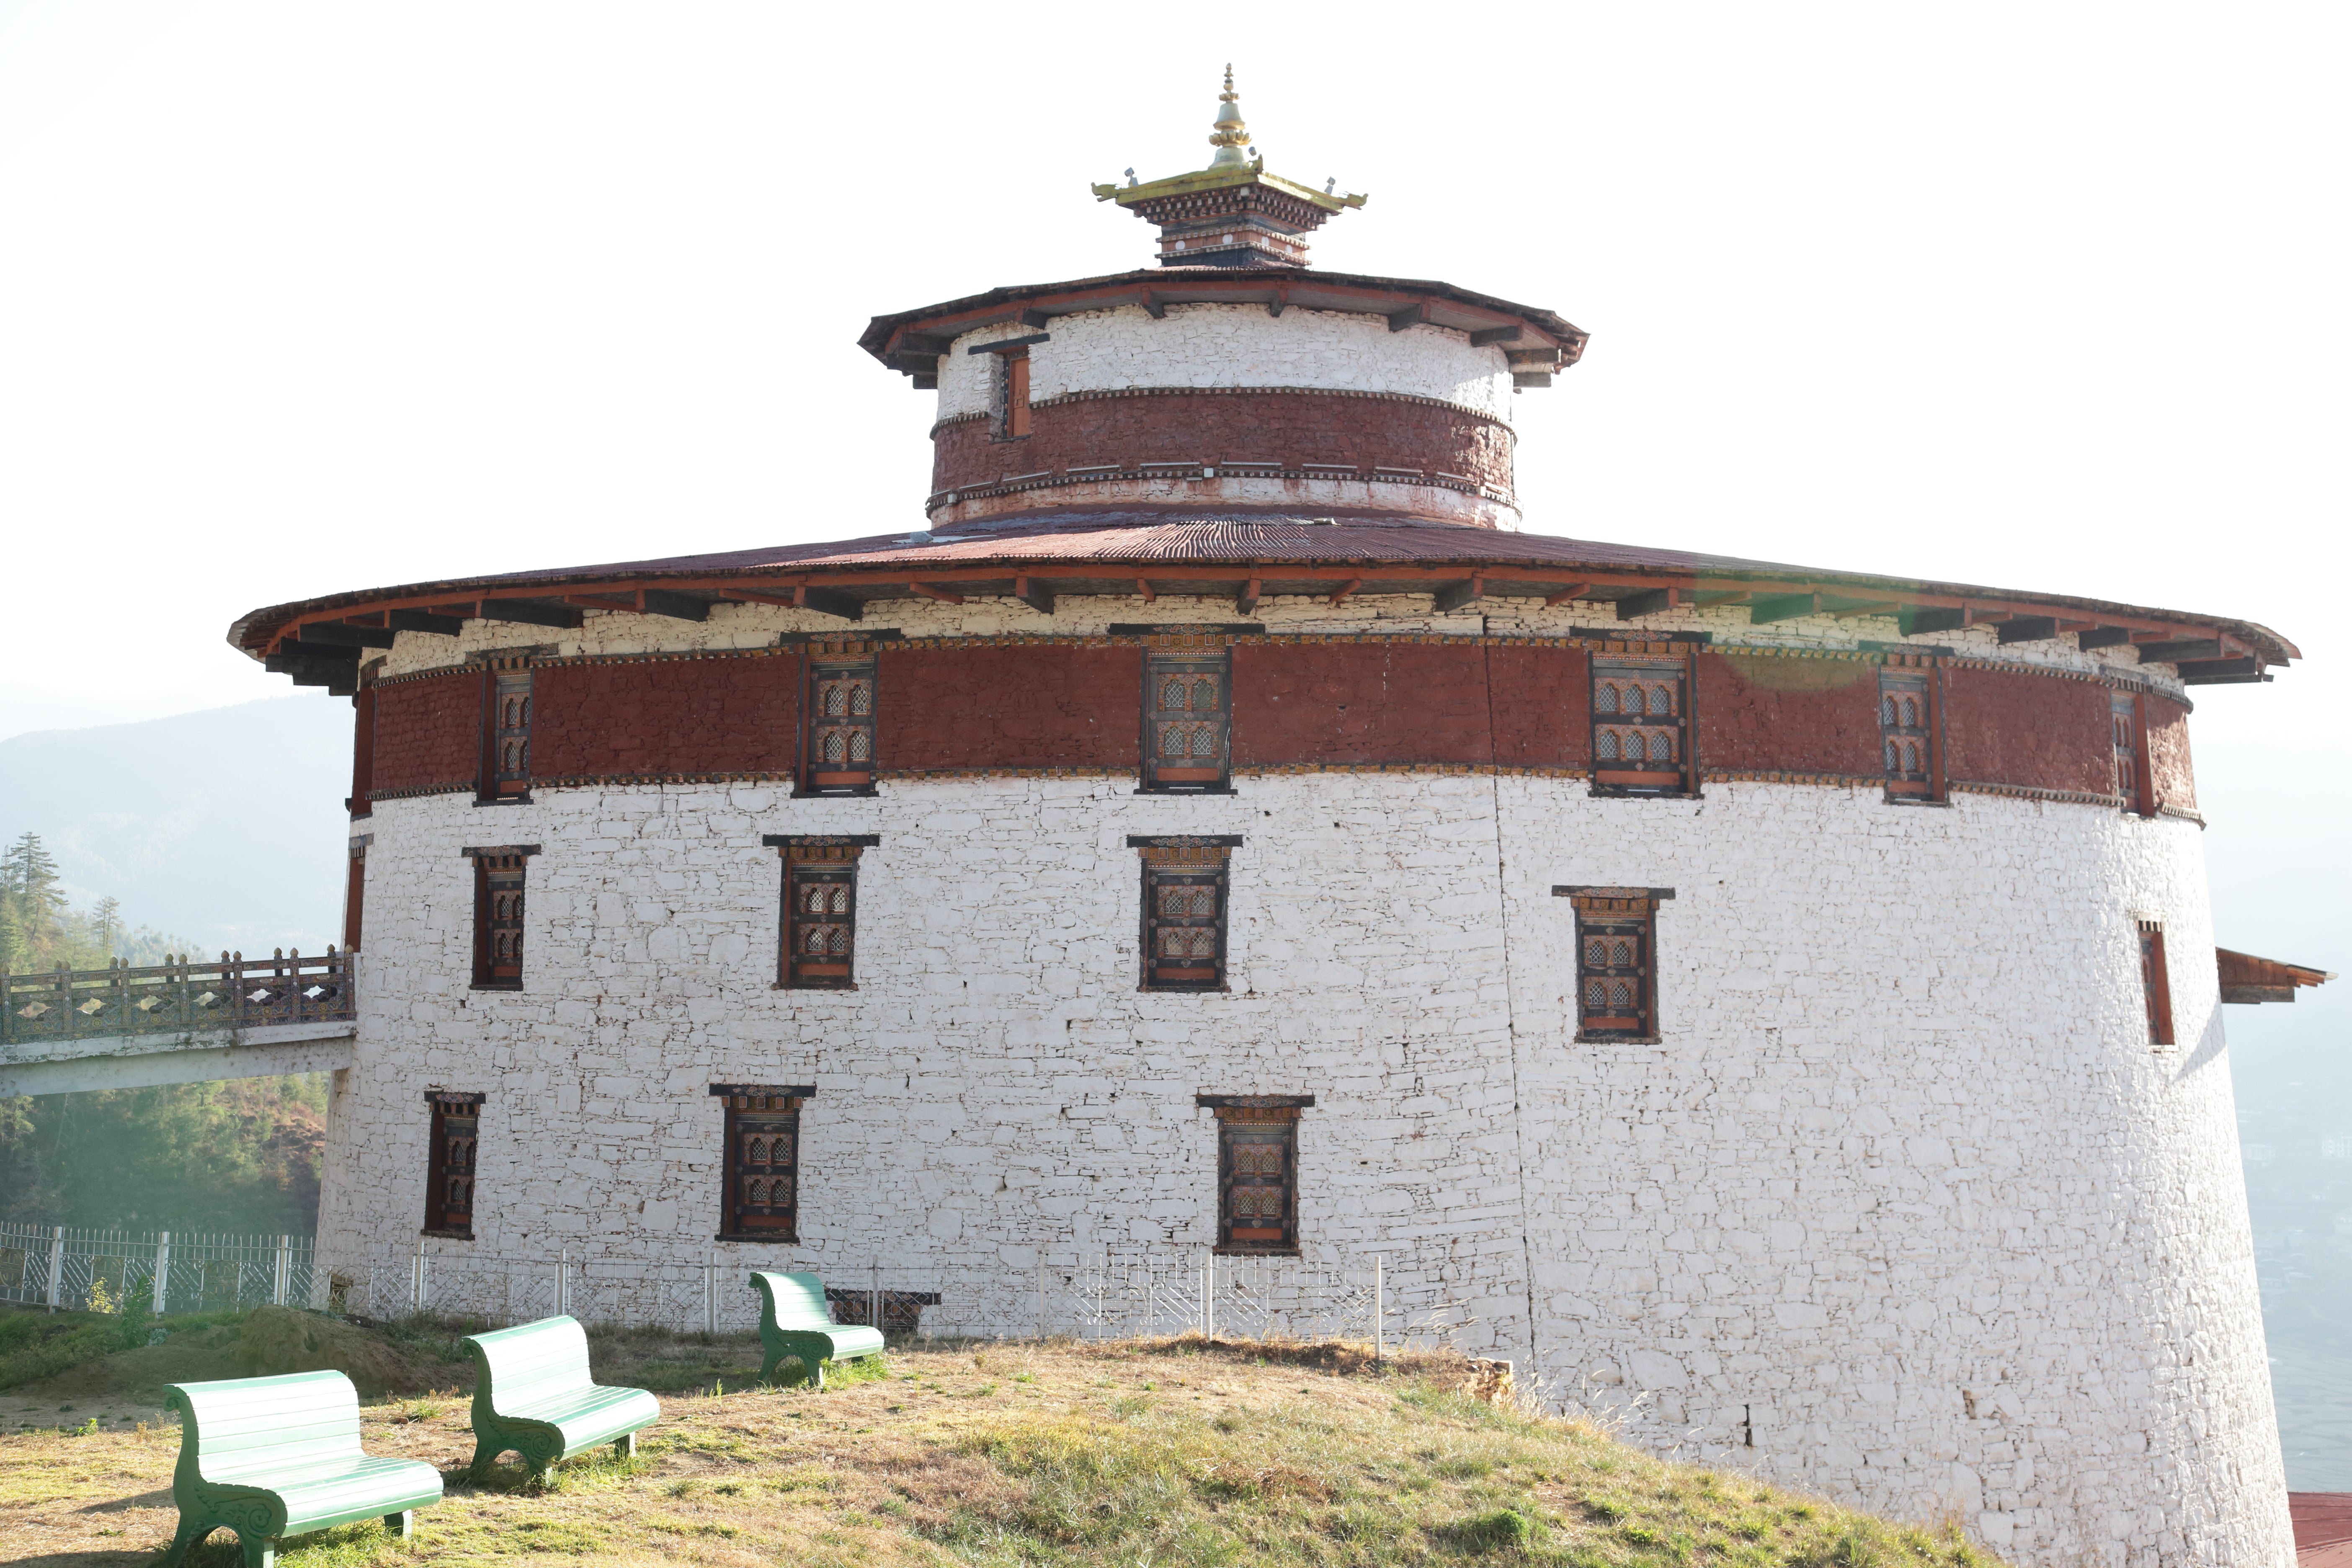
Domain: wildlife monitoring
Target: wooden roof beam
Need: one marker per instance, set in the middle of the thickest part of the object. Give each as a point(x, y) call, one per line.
point(1573, 591)
point(941, 594)
point(1034, 594)
point(1346, 588)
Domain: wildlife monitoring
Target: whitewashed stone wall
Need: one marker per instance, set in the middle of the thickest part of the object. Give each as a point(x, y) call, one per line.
point(1233, 345)
point(1903, 1196)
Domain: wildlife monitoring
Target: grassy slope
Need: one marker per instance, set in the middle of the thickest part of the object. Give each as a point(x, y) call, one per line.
point(1080, 1455)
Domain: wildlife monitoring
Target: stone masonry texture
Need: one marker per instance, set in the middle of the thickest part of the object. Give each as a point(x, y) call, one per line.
point(1902, 1191)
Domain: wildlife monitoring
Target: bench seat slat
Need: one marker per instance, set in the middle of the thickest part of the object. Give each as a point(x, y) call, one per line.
point(796, 1323)
point(533, 1394)
point(273, 1456)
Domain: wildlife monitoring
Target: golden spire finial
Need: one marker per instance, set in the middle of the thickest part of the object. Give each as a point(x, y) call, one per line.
point(1232, 134)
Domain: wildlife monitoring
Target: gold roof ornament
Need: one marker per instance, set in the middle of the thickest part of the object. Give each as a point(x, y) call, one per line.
point(1231, 133)
point(1233, 212)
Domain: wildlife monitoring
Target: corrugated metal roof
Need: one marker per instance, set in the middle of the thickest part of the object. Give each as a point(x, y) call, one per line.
point(1180, 535)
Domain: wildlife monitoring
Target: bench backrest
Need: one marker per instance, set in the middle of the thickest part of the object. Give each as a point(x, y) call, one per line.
point(250, 1429)
point(531, 1362)
point(794, 1300)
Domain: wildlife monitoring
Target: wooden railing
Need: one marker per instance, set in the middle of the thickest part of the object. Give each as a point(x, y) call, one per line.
point(177, 997)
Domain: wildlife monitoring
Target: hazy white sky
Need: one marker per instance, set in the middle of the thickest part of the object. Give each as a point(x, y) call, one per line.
point(309, 297)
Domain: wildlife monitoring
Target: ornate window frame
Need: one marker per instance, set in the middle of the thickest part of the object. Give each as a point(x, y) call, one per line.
point(1657, 674)
point(1616, 999)
point(1257, 1171)
point(758, 1199)
point(505, 773)
point(1911, 730)
point(453, 1142)
point(501, 871)
point(838, 748)
point(819, 869)
point(1195, 667)
point(2155, 981)
point(1186, 898)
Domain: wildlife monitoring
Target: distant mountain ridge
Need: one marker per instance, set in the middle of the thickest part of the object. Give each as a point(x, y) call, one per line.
point(226, 825)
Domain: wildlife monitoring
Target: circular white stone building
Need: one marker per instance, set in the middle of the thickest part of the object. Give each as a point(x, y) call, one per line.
point(1784, 994)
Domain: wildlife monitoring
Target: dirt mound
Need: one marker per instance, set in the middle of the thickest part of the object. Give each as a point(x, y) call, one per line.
point(279, 1340)
point(269, 1340)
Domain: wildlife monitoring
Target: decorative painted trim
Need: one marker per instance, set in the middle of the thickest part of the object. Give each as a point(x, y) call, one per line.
point(901, 775)
point(2029, 792)
point(680, 656)
point(1763, 650)
point(590, 780)
point(437, 672)
point(1194, 470)
point(1104, 394)
point(1781, 775)
point(2146, 686)
point(1253, 1101)
point(410, 792)
point(2184, 814)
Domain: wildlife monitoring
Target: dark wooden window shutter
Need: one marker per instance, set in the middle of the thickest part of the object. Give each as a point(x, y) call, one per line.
point(2155, 985)
point(1257, 1171)
point(506, 726)
point(449, 1162)
point(1012, 395)
point(1641, 720)
point(1187, 713)
point(361, 803)
point(2127, 717)
point(1908, 729)
point(818, 927)
point(498, 875)
point(355, 895)
point(760, 1200)
point(1616, 961)
point(1186, 881)
point(841, 697)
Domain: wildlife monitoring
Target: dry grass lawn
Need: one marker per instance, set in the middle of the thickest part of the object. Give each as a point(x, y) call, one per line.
point(1162, 1454)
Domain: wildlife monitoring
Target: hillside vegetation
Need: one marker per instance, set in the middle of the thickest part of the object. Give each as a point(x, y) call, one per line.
point(1170, 1453)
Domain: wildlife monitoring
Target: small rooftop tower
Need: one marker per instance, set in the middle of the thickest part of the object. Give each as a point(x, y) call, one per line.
point(1233, 212)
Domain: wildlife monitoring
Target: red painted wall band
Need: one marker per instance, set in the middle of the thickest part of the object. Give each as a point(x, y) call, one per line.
point(1289, 428)
point(1034, 707)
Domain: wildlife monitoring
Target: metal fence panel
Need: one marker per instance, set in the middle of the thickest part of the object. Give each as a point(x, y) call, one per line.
point(1144, 1292)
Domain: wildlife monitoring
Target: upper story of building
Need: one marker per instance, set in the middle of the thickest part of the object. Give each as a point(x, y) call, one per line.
point(1232, 374)
point(1299, 481)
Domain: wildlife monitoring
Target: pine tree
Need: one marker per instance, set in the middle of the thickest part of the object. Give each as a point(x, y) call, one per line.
point(31, 874)
point(106, 916)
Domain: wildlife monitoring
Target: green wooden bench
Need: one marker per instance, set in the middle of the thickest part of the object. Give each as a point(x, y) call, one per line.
point(532, 1394)
point(273, 1457)
point(795, 1324)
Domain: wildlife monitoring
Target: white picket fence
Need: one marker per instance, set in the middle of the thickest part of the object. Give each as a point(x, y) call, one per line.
point(61, 1267)
point(1143, 1293)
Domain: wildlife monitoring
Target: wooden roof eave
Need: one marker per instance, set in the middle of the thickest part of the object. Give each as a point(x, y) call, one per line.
point(885, 336)
point(258, 634)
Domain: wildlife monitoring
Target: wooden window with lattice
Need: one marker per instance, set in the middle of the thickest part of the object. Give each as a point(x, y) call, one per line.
point(505, 727)
point(1641, 722)
point(817, 930)
point(452, 1144)
point(1186, 714)
point(1186, 881)
point(760, 1199)
point(1012, 395)
point(1257, 1171)
point(2155, 982)
point(1616, 961)
point(499, 876)
point(2128, 723)
point(1907, 731)
point(842, 694)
